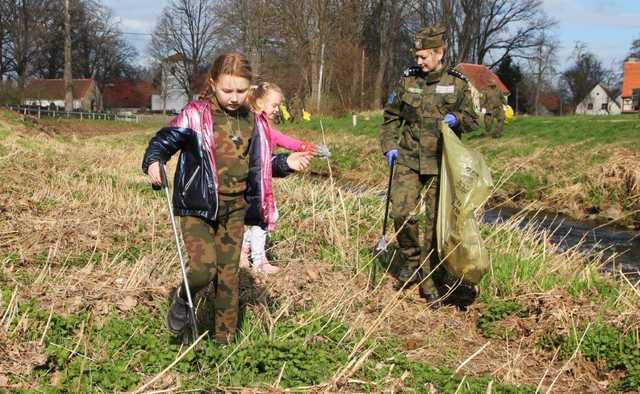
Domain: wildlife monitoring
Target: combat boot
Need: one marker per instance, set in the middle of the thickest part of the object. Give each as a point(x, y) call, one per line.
point(177, 318)
point(406, 277)
point(429, 292)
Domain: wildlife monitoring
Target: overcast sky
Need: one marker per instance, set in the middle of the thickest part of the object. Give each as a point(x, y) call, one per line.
point(607, 27)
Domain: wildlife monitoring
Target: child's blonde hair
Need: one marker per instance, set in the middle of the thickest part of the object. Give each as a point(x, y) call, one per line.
point(260, 91)
point(231, 63)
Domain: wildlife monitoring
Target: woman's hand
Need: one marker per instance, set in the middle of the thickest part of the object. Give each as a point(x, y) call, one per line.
point(298, 161)
point(154, 173)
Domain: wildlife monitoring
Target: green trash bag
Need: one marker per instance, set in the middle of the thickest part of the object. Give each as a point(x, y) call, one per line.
point(465, 184)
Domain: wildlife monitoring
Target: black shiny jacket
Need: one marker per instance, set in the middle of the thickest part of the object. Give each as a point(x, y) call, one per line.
point(194, 192)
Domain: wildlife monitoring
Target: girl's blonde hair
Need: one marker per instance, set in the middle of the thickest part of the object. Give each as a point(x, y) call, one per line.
point(230, 63)
point(260, 91)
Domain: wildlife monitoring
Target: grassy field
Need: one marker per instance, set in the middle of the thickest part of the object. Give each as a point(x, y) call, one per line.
point(87, 261)
point(585, 167)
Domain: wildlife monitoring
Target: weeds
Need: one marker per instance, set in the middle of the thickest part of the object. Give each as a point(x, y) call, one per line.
point(87, 263)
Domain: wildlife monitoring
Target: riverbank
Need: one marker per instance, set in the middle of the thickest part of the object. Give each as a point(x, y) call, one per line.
point(584, 167)
point(87, 261)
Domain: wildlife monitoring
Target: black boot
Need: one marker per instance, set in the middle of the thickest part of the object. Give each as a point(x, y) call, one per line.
point(405, 277)
point(430, 293)
point(177, 319)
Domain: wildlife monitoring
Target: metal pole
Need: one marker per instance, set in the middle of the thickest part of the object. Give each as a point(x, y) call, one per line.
point(183, 268)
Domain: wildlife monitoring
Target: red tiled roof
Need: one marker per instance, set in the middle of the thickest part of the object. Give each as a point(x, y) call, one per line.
point(178, 57)
point(550, 101)
point(53, 89)
point(631, 78)
point(124, 93)
point(479, 75)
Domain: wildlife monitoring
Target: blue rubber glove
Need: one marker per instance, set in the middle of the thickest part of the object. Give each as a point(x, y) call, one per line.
point(391, 156)
point(451, 120)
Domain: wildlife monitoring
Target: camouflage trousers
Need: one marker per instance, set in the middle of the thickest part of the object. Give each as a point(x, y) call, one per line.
point(406, 189)
point(214, 255)
point(498, 115)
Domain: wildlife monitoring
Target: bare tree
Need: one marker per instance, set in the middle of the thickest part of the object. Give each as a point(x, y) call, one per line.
point(634, 51)
point(389, 14)
point(24, 22)
point(68, 78)
point(485, 31)
point(4, 38)
point(542, 62)
point(584, 74)
point(186, 28)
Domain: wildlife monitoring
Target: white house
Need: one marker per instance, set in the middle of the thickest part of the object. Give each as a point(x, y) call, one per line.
point(598, 102)
point(51, 93)
point(172, 96)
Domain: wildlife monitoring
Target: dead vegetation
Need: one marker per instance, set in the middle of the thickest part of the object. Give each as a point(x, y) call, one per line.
point(82, 234)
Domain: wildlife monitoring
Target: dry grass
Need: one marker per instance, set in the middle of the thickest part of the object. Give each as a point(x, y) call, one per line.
point(80, 231)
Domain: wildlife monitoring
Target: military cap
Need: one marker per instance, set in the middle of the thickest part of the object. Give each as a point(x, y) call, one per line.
point(430, 37)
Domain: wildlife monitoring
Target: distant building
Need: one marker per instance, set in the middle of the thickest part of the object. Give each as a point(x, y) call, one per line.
point(128, 96)
point(598, 102)
point(631, 86)
point(479, 77)
point(50, 93)
point(172, 96)
point(550, 104)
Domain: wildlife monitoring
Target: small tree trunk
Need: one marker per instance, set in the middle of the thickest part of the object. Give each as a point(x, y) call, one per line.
point(68, 78)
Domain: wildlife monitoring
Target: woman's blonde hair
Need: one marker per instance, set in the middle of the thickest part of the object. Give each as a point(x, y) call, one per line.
point(260, 91)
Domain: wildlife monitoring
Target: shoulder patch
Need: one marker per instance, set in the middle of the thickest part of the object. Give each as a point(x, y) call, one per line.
point(455, 73)
point(411, 71)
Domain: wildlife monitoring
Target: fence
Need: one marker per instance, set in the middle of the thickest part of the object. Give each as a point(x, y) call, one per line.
point(39, 112)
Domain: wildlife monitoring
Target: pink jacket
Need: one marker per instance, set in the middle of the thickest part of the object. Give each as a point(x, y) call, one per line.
point(278, 139)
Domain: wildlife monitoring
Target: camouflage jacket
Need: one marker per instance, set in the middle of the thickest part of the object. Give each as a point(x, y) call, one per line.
point(414, 111)
point(492, 100)
point(199, 184)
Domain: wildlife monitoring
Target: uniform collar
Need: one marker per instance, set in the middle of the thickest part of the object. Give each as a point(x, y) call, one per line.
point(435, 76)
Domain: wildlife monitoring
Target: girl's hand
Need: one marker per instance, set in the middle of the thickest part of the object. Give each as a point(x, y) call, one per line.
point(154, 173)
point(298, 161)
point(309, 147)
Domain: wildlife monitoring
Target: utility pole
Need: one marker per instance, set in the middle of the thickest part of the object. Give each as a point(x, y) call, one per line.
point(68, 78)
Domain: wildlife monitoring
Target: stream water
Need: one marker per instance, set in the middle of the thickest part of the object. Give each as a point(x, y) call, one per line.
point(619, 246)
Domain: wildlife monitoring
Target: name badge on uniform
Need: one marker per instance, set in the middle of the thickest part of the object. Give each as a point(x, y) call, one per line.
point(414, 90)
point(445, 89)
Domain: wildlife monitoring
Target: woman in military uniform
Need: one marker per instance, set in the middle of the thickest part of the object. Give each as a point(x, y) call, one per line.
point(426, 95)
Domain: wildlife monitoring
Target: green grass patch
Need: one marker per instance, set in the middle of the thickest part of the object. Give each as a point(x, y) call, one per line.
point(601, 342)
point(526, 181)
point(303, 350)
point(495, 311)
point(369, 127)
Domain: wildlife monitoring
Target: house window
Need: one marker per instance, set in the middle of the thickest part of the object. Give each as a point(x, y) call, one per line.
point(604, 107)
point(590, 106)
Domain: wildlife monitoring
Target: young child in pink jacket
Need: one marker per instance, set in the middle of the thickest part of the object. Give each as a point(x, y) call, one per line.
point(264, 99)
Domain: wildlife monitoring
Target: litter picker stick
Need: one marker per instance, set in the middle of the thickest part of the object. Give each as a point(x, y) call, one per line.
point(165, 186)
point(382, 244)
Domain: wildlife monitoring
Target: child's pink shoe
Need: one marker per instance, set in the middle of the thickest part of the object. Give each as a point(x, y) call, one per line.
point(263, 266)
point(244, 258)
